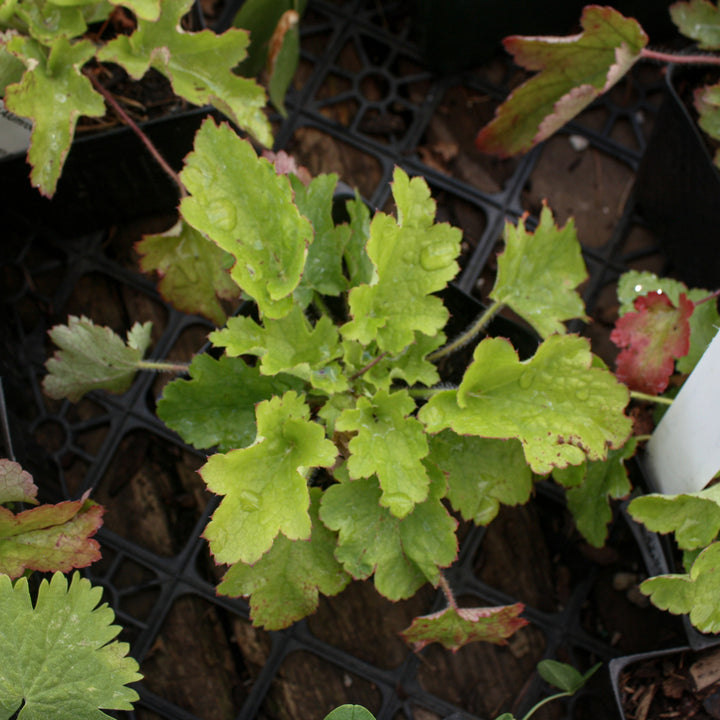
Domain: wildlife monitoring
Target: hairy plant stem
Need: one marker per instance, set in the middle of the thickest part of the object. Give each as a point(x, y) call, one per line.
point(146, 141)
point(635, 395)
point(648, 54)
point(162, 366)
point(642, 438)
point(711, 296)
point(447, 591)
point(473, 331)
point(427, 393)
point(546, 700)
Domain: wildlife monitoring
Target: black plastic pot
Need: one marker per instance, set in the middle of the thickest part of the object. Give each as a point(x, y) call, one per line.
point(677, 188)
point(459, 34)
point(108, 178)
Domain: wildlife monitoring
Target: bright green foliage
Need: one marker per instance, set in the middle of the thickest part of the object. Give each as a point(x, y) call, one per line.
point(49, 537)
point(60, 657)
point(560, 408)
point(144, 9)
point(694, 593)
point(53, 92)
point(590, 485)
point(264, 485)
point(285, 583)
point(698, 20)
point(323, 271)
point(693, 517)
point(538, 274)
point(573, 71)
point(289, 345)
point(481, 473)
point(199, 65)
point(93, 358)
point(216, 407)
point(403, 554)
point(44, 21)
point(247, 209)
point(16, 485)
point(391, 445)
point(454, 628)
point(360, 266)
point(413, 258)
point(703, 322)
point(194, 272)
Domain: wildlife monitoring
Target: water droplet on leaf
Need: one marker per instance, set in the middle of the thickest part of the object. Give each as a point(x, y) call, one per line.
point(526, 379)
point(222, 214)
point(249, 500)
point(438, 255)
point(583, 394)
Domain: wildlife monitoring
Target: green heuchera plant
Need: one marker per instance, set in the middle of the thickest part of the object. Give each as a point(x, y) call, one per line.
point(340, 453)
point(560, 675)
point(58, 649)
point(48, 74)
point(573, 71)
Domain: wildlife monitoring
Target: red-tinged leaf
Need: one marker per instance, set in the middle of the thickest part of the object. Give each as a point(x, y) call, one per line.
point(573, 71)
point(455, 628)
point(50, 537)
point(652, 338)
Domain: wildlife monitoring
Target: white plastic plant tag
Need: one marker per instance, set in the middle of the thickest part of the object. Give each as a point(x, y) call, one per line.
point(14, 132)
point(683, 454)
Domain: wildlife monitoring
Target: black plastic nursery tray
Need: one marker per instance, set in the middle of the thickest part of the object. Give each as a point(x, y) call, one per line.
point(363, 103)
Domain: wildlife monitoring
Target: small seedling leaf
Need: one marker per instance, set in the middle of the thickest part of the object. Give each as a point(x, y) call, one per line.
point(283, 58)
point(698, 20)
point(288, 345)
point(481, 473)
point(199, 65)
point(413, 258)
point(49, 537)
point(350, 712)
point(194, 272)
point(455, 628)
point(573, 71)
point(264, 485)
point(560, 407)
point(57, 75)
point(563, 676)
point(694, 593)
point(538, 272)
point(284, 585)
point(92, 357)
point(60, 658)
point(693, 517)
point(245, 207)
point(652, 338)
point(216, 407)
point(390, 444)
point(403, 554)
point(16, 485)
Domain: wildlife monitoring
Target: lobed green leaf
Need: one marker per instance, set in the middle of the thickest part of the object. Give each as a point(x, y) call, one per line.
point(698, 20)
point(413, 258)
point(694, 593)
point(16, 485)
point(284, 585)
point(247, 209)
point(92, 357)
point(560, 407)
point(402, 553)
point(538, 273)
point(60, 656)
point(216, 407)
point(390, 444)
point(265, 485)
point(481, 473)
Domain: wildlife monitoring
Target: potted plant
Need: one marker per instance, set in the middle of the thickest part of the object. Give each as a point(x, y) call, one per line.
point(58, 62)
point(575, 70)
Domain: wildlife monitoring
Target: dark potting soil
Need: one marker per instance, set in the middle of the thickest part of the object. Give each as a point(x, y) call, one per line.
point(684, 685)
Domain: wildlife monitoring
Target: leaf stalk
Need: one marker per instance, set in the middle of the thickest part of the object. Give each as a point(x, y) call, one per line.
point(473, 331)
point(162, 366)
point(636, 395)
point(664, 57)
